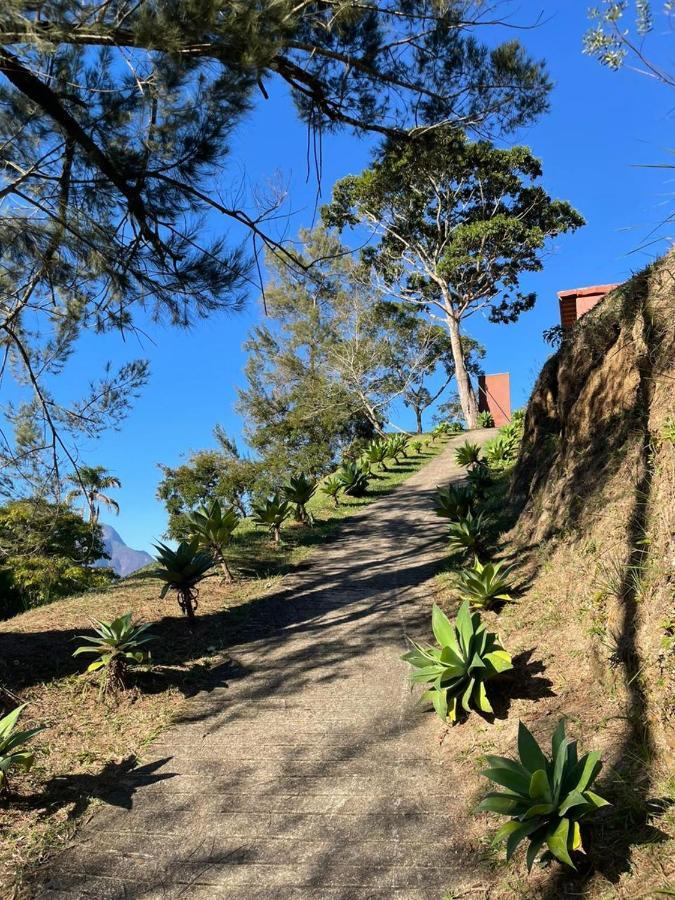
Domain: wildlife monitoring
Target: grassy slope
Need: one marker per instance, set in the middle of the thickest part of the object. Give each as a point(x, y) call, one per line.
point(89, 745)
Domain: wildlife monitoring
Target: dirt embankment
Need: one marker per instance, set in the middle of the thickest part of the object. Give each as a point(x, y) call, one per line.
point(594, 490)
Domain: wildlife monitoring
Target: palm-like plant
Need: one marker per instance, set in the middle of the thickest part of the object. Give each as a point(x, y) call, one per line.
point(117, 645)
point(182, 570)
point(377, 453)
point(453, 502)
point(467, 657)
point(354, 478)
point(483, 585)
point(502, 450)
point(271, 513)
point(467, 454)
point(485, 419)
point(12, 756)
point(299, 491)
point(479, 478)
point(212, 527)
point(332, 487)
point(467, 534)
point(545, 798)
point(398, 445)
point(417, 447)
point(91, 482)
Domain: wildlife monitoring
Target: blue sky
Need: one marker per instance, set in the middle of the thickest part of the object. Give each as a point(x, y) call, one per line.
point(603, 128)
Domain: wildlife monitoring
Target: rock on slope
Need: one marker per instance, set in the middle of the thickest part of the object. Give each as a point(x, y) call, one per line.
point(123, 560)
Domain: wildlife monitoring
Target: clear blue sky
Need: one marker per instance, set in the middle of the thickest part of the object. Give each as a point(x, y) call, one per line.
point(602, 127)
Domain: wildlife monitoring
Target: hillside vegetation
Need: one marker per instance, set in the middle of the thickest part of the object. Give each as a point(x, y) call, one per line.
point(590, 530)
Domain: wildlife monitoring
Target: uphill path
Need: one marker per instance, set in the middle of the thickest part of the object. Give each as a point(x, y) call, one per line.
point(313, 772)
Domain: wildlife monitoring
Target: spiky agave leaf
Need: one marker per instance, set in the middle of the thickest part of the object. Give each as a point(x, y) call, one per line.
point(467, 454)
point(11, 757)
point(354, 478)
point(467, 534)
point(182, 568)
point(120, 639)
point(546, 799)
point(453, 502)
point(457, 670)
point(273, 511)
point(484, 584)
point(213, 525)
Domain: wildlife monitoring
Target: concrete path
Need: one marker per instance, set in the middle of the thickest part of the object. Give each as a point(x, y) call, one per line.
point(313, 774)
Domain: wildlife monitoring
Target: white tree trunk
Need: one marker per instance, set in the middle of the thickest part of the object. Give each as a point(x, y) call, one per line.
point(467, 397)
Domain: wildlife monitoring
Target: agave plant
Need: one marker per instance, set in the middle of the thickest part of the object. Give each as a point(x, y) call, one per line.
point(501, 451)
point(182, 570)
point(479, 478)
point(467, 534)
point(354, 478)
point(417, 447)
point(299, 491)
point(467, 657)
point(454, 428)
point(545, 798)
point(377, 453)
point(117, 644)
point(485, 419)
point(453, 502)
point(271, 513)
point(467, 454)
point(332, 487)
point(12, 754)
point(398, 445)
point(212, 528)
point(482, 585)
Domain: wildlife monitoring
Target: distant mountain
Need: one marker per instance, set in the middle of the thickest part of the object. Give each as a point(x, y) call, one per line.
point(123, 560)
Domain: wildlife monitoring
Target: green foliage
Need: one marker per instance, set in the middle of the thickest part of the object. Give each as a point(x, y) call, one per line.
point(467, 454)
point(12, 756)
point(467, 535)
point(502, 450)
point(453, 502)
point(299, 490)
point(484, 584)
point(271, 513)
point(208, 475)
point(668, 430)
point(90, 483)
point(485, 419)
point(46, 554)
point(453, 427)
point(479, 478)
point(354, 478)
point(468, 656)
point(378, 452)
point(332, 487)
point(182, 570)
point(417, 447)
point(546, 799)
point(117, 645)
point(398, 445)
point(212, 527)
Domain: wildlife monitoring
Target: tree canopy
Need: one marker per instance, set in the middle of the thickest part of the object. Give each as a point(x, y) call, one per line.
point(116, 122)
point(457, 223)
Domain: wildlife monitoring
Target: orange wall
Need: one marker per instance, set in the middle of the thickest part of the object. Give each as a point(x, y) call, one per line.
point(494, 396)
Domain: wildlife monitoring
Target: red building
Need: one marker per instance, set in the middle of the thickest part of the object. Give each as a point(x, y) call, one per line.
point(574, 303)
point(494, 396)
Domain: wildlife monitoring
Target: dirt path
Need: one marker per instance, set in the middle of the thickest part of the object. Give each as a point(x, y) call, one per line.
point(311, 773)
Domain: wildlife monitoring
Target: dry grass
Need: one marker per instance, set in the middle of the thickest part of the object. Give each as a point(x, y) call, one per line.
point(89, 745)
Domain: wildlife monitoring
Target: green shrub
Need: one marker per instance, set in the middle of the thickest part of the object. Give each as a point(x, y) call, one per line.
point(479, 478)
point(485, 419)
point(117, 645)
point(331, 488)
point(482, 585)
point(12, 756)
point(501, 451)
point(545, 798)
point(271, 513)
point(417, 447)
point(668, 430)
point(467, 454)
point(354, 478)
point(454, 428)
point(212, 527)
point(467, 534)
point(467, 657)
point(398, 445)
point(299, 491)
point(377, 453)
point(182, 570)
point(453, 502)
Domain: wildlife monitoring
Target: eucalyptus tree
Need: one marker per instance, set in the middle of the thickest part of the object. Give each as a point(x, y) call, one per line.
point(116, 127)
point(458, 224)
